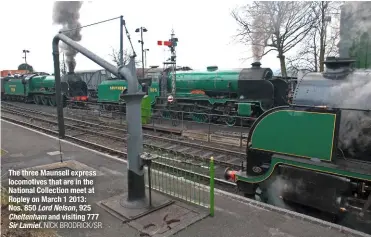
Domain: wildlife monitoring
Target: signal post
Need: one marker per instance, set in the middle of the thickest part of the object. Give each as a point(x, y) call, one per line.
point(171, 43)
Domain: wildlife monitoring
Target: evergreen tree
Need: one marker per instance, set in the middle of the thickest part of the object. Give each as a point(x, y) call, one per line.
point(25, 66)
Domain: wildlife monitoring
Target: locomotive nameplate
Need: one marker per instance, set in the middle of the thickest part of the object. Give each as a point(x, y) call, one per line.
point(152, 89)
point(119, 88)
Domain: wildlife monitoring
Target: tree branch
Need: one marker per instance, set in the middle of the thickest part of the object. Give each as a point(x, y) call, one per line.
point(277, 26)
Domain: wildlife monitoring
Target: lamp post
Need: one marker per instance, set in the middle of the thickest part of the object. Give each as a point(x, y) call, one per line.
point(25, 51)
point(145, 56)
point(141, 30)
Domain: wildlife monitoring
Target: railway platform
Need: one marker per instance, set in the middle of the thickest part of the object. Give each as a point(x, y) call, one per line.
point(234, 216)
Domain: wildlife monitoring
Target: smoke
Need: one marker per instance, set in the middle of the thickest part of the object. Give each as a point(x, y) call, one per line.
point(258, 36)
point(67, 14)
point(355, 126)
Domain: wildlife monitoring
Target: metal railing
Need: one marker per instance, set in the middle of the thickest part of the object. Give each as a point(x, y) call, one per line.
point(182, 183)
point(207, 130)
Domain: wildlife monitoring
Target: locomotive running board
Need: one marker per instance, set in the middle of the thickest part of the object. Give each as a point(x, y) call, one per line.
point(322, 167)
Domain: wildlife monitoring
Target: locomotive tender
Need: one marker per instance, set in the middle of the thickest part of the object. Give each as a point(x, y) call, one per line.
point(317, 149)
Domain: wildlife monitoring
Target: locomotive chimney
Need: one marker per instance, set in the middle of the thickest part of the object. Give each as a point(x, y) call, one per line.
point(336, 62)
point(256, 65)
point(337, 67)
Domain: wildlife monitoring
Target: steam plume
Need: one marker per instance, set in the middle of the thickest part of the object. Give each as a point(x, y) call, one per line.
point(278, 187)
point(258, 36)
point(67, 14)
point(355, 128)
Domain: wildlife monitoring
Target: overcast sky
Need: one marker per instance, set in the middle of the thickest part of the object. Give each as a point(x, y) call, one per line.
point(205, 30)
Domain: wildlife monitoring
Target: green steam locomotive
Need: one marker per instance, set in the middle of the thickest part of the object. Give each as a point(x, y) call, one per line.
point(206, 95)
point(316, 152)
point(212, 95)
point(39, 88)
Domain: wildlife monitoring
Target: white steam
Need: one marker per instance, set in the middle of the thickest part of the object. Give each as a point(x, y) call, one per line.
point(355, 93)
point(259, 36)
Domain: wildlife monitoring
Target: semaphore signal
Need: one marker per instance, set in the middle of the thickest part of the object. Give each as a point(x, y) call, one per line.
point(164, 43)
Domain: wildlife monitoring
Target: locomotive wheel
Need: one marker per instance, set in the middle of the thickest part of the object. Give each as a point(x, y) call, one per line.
point(37, 99)
point(52, 101)
point(201, 118)
point(44, 100)
point(231, 121)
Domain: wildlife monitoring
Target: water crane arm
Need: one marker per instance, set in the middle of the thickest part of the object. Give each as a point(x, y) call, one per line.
point(128, 73)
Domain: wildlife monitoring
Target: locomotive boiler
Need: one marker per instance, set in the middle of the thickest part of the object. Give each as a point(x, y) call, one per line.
point(211, 94)
point(317, 151)
point(244, 92)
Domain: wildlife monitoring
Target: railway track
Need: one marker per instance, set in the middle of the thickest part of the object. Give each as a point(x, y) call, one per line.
point(172, 126)
point(203, 133)
point(188, 153)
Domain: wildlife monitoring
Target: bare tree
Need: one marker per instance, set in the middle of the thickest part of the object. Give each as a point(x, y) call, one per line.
point(274, 26)
point(320, 42)
point(115, 56)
